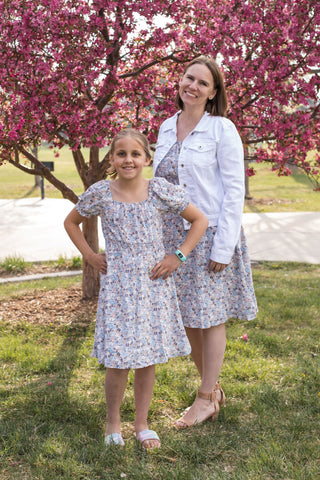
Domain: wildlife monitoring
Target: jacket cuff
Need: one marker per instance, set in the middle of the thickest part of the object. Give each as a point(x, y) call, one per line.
point(220, 257)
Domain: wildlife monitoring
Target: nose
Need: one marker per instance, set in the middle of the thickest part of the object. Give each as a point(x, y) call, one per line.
point(128, 159)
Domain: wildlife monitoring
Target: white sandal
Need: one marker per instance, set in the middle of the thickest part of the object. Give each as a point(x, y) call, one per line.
point(114, 439)
point(145, 435)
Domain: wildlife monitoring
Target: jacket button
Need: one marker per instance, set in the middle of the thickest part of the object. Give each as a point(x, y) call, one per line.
point(184, 185)
point(182, 165)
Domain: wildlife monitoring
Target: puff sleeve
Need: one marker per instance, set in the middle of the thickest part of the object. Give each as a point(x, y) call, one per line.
point(93, 200)
point(169, 197)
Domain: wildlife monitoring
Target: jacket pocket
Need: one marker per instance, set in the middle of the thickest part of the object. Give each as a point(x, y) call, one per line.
point(202, 154)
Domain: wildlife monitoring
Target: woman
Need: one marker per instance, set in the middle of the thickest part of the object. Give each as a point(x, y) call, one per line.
point(200, 149)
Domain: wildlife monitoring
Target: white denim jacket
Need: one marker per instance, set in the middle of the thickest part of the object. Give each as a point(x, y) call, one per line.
point(211, 169)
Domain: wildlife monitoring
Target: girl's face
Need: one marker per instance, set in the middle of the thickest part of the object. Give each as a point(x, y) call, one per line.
point(129, 158)
point(196, 86)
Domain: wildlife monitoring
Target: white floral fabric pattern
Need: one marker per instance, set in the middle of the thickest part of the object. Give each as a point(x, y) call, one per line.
point(138, 319)
point(207, 299)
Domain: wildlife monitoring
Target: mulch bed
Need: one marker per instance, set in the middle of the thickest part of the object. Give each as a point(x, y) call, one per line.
point(59, 306)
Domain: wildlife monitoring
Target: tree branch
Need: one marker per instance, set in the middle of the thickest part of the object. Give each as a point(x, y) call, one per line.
point(150, 64)
point(43, 172)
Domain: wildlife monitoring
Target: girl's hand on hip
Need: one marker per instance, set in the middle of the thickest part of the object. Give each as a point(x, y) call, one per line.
point(217, 267)
point(163, 269)
point(99, 262)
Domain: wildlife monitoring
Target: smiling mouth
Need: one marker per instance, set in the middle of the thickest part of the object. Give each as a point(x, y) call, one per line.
point(190, 94)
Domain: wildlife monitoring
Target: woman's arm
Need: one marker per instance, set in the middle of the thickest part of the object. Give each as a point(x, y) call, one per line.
point(199, 224)
point(216, 266)
point(231, 173)
point(72, 226)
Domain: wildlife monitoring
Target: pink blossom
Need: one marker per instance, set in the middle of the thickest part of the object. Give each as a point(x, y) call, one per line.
point(77, 72)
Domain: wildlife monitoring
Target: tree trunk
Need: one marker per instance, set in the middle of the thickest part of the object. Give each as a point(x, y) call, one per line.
point(90, 276)
point(246, 179)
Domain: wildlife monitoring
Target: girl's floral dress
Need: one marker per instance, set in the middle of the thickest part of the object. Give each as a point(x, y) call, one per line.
point(138, 319)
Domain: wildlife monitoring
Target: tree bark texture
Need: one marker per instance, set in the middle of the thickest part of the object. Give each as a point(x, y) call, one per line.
point(90, 276)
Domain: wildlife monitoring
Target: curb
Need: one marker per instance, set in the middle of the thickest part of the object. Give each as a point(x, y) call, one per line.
point(40, 276)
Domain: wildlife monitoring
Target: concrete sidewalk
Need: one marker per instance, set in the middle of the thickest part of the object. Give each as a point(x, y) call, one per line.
point(33, 229)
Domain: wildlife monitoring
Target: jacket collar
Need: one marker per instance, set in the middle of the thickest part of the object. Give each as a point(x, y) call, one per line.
point(202, 126)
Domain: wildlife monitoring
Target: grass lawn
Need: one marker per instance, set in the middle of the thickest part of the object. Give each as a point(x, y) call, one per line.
point(281, 194)
point(52, 397)
point(270, 193)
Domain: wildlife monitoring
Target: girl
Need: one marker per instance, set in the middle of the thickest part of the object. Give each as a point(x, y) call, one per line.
point(138, 320)
point(200, 149)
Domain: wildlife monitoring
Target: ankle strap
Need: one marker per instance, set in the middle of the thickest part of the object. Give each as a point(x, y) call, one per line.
point(207, 396)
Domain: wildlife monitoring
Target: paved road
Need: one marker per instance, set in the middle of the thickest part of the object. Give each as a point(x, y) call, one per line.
point(33, 229)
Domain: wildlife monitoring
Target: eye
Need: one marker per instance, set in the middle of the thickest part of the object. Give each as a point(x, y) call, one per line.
point(136, 154)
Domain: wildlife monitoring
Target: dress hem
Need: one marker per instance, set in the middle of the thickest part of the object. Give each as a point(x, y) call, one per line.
point(247, 318)
point(148, 364)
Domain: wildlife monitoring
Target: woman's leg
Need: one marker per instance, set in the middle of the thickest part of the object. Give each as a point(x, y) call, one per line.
point(143, 389)
point(195, 337)
point(214, 344)
point(115, 385)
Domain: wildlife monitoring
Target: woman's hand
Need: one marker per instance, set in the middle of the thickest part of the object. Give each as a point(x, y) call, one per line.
point(163, 269)
point(217, 267)
point(98, 261)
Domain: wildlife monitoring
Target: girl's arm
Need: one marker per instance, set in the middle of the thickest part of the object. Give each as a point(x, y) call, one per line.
point(72, 226)
point(199, 224)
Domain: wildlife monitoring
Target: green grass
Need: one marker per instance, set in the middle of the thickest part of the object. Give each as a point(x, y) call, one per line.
point(53, 407)
point(271, 193)
point(281, 194)
point(13, 265)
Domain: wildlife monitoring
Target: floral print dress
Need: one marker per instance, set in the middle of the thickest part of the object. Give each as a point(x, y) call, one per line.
point(138, 319)
point(206, 299)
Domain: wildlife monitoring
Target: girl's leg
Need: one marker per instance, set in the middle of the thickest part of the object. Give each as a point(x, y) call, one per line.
point(214, 344)
point(143, 389)
point(195, 337)
point(115, 385)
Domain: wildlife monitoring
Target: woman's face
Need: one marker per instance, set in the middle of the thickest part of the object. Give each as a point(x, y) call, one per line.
point(196, 86)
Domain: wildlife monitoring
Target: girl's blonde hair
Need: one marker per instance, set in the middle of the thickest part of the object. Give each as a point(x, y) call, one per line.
point(219, 104)
point(127, 132)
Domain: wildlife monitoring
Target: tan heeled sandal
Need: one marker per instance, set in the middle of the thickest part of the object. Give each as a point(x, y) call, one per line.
point(222, 401)
point(183, 423)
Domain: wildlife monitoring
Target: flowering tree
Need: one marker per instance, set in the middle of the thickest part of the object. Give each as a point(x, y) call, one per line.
point(73, 72)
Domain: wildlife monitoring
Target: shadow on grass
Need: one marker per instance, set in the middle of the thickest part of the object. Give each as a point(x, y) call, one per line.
point(48, 429)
